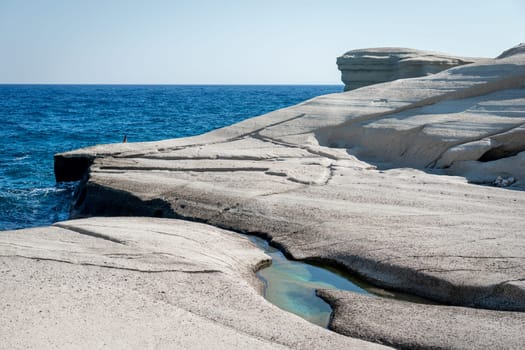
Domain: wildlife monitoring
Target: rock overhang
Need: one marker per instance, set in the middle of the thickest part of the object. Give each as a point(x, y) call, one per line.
point(364, 67)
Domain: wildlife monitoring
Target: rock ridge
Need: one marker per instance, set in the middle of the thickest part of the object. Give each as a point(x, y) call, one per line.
point(417, 326)
point(364, 67)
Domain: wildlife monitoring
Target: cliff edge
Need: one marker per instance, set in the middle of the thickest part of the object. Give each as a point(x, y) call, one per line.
point(378, 65)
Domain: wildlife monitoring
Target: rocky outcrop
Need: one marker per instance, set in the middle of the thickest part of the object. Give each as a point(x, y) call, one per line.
point(518, 49)
point(356, 179)
point(141, 283)
point(418, 326)
point(314, 178)
point(371, 66)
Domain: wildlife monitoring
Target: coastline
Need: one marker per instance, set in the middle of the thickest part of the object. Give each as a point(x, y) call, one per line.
point(350, 180)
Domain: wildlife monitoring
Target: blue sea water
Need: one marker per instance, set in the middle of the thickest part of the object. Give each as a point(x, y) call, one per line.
point(40, 120)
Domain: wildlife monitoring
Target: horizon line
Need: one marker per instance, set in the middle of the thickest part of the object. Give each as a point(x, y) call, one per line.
point(180, 84)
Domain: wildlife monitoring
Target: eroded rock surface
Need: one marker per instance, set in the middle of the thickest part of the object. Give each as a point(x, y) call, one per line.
point(416, 326)
point(124, 283)
point(355, 179)
point(371, 66)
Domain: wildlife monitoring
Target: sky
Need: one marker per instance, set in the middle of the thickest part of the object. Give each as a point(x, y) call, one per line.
point(234, 42)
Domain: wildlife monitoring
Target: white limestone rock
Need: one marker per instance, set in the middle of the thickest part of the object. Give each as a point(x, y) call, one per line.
point(142, 283)
point(420, 326)
point(377, 65)
point(355, 178)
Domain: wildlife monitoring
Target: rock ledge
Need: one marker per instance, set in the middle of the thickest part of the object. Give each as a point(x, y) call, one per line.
point(378, 65)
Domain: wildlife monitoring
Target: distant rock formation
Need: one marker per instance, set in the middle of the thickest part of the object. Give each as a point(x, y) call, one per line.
point(518, 49)
point(378, 65)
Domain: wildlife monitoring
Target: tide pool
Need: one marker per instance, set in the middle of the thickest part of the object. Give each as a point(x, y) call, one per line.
point(291, 285)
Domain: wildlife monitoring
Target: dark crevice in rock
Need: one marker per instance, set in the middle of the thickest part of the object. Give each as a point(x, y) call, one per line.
point(257, 131)
point(107, 266)
point(103, 201)
point(508, 149)
point(201, 170)
point(89, 233)
point(499, 153)
point(80, 195)
point(71, 168)
point(308, 149)
point(218, 157)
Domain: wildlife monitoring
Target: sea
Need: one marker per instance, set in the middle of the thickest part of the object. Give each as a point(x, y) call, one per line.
point(37, 121)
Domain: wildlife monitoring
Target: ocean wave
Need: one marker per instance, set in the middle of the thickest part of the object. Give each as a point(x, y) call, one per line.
point(62, 187)
point(38, 206)
point(27, 156)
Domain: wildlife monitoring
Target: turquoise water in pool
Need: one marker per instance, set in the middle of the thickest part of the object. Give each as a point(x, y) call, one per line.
point(291, 285)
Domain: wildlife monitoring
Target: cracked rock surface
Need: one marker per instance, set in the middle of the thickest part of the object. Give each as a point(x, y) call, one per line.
point(123, 283)
point(382, 180)
point(417, 326)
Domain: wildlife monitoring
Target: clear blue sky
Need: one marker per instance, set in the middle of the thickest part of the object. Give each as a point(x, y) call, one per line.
point(234, 42)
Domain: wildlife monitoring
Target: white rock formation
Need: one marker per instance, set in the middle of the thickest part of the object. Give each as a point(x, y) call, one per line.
point(311, 168)
point(140, 283)
point(354, 178)
point(371, 66)
point(421, 326)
